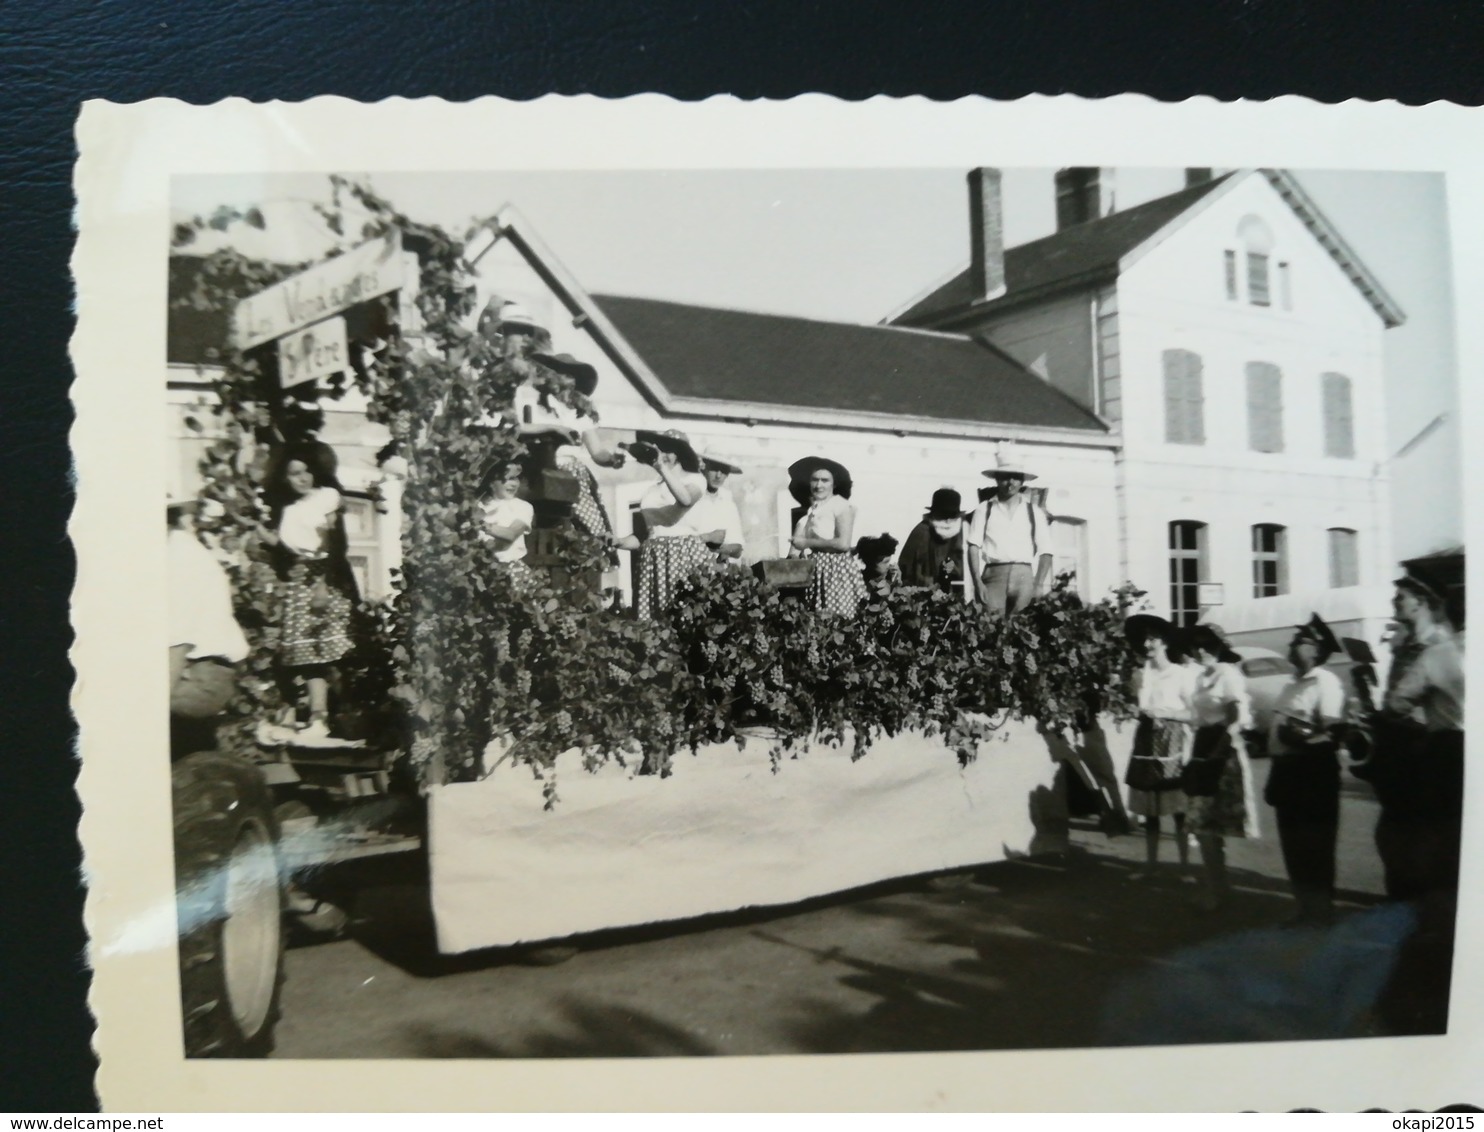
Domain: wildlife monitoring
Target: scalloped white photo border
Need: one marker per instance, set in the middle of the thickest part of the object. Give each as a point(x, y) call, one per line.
point(128, 155)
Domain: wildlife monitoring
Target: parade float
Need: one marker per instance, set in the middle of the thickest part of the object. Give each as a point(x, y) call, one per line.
point(565, 767)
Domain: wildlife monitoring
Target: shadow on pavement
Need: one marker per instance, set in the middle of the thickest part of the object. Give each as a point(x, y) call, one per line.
point(577, 1031)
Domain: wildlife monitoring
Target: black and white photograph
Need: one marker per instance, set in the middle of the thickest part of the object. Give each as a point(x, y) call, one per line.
point(618, 613)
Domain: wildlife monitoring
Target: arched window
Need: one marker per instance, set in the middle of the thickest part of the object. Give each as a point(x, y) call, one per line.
point(1269, 560)
point(1184, 398)
point(1264, 407)
point(1339, 417)
point(1344, 558)
point(1187, 570)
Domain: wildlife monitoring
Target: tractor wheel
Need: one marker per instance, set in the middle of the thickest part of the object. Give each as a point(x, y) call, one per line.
point(229, 900)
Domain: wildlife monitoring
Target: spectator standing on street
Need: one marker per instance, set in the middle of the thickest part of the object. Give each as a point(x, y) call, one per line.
point(1008, 534)
point(1166, 690)
point(1217, 780)
point(933, 553)
point(1420, 829)
point(1304, 778)
point(206, 642)
point(825, 532)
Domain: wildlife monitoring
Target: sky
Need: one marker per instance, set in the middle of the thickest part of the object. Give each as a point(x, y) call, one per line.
point(858, 245)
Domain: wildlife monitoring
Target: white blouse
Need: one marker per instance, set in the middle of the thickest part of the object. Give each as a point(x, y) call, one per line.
point(670, 519)
point(1167, 693)
point(305, 522)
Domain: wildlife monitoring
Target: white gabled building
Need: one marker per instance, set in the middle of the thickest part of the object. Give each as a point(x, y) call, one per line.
point(1233, 340)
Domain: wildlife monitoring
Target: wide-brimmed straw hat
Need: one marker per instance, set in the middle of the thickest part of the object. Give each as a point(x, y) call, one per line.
point(674, 441)
point(800, 471)
point(946, 504)
point(713, 464)
point(584, 376)
point(513, 314)
point(1008, 464)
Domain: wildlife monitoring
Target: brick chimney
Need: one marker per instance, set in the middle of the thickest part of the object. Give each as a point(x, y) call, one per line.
point(986, 235)
point(1083, 193)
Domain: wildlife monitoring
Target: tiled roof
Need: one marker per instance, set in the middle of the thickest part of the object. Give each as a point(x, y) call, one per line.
point(738, 356)
point(1087, 252)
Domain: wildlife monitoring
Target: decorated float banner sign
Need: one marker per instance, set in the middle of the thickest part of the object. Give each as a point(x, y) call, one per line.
point(366, 271)
point(312, 352)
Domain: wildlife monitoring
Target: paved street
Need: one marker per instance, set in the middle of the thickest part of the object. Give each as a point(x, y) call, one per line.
point(1020, 954)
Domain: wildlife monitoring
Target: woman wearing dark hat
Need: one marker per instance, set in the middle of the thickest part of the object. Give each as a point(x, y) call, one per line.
point(672, 549)
point(934, 551)
point(824, 533)
point(1304, 778)
point(1217, 780)
point(878, 570)
point(1166, 689)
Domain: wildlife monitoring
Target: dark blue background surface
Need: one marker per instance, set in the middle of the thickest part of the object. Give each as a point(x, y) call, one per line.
point(52, 56)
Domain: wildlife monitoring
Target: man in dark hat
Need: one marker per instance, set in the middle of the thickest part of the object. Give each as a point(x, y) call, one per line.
point(934, 551)
point(1304, 779)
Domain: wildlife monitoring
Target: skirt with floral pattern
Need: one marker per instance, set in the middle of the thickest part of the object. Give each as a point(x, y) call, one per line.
point(315, 620)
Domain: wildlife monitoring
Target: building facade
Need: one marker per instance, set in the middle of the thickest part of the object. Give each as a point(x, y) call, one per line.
point(1233, 341)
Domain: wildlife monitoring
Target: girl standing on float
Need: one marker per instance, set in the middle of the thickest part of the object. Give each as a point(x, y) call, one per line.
point(824, 533)
point(1218, 778)
point(1166, 690)
point(308, 531)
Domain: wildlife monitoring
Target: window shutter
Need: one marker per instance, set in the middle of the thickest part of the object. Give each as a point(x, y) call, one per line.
point(1339, 417)
point(1344, 558)
point(1184, 416)
point(1264, 407)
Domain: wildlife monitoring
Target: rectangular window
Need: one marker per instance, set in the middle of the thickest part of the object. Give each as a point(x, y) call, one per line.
point(1187, 569)
point(1269, 560)
point(1231, 275)
point(1257, 280)
point(363, 545)
point(1339, 417)
point(1285, 287)
point(1264, 407)
point(1184, 398)
point(1344, 558)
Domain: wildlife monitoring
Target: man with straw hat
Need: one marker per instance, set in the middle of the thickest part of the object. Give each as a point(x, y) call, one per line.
point(716, 514)
point(1007, 540)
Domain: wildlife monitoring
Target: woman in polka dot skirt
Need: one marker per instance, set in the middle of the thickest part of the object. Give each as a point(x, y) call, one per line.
point(825, 533)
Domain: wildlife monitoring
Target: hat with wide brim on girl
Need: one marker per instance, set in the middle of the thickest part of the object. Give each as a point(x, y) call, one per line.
point(583, 376)
point(713, 464)
point(1141, 626)
point(674, 441)
point(1211, 639)
point(800, 471)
